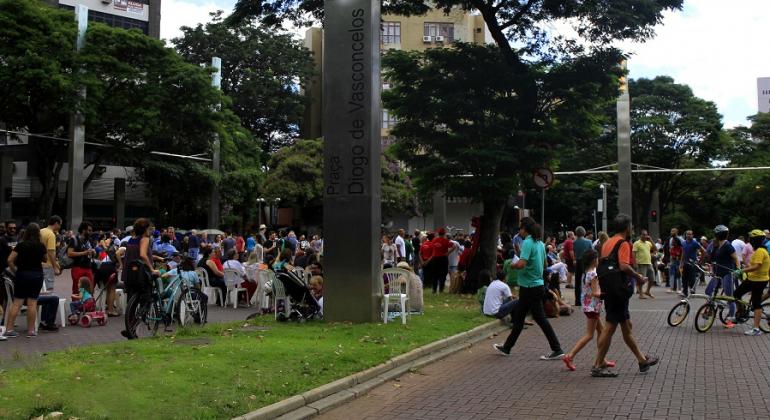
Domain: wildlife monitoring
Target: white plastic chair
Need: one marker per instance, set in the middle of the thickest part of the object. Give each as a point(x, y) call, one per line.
point(62, 315)
point(279, 293)
point(398, 290)
point(233, 281)
point(211, 292)
point(261, 298)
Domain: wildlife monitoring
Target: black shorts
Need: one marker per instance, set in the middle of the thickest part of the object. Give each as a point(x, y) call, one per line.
point(757, 288)
point(617, 310)
point(27, 284)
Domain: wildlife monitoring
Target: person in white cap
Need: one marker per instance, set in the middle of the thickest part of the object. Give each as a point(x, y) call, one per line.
point(262, 230)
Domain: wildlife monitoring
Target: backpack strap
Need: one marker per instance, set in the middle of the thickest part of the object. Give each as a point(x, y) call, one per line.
point(615, 249)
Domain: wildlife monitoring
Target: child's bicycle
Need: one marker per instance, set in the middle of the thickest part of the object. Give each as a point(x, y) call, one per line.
point(178, 300)
point(85, 319)
point(717, 304)
point(679, 312)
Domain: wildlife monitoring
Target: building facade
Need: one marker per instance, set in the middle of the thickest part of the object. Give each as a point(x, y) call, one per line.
point(127, 14)
point(435, 29)
point(763, 94)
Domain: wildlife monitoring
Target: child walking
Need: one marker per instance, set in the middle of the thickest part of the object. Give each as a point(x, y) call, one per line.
point(592, 307)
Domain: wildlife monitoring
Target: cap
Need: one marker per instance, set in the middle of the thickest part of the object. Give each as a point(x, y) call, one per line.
point(440, 231)
point(262, 227)
point(756, 233)
point(703, 238)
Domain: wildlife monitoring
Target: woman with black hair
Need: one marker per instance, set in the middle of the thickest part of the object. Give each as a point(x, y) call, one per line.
point(26, 260)
point(531, 263)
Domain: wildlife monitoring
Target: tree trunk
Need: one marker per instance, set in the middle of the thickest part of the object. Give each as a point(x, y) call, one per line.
point(486, 255)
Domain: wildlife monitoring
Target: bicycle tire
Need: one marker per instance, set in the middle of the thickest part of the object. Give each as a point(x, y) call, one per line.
point(707, 313)
point(764, 323)
point(678, 313)
point(186, 309)
point(140, 317)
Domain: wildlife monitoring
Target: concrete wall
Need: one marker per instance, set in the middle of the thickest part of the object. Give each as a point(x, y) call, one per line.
point(763, 94)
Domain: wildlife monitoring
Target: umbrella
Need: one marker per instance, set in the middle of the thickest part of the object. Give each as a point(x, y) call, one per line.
point(212, 232)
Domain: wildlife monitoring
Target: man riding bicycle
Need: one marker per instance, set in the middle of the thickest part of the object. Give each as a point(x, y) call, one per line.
point(724, 262)
point(757, 278)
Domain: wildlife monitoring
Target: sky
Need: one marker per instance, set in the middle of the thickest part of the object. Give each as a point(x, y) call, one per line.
point(718, 48)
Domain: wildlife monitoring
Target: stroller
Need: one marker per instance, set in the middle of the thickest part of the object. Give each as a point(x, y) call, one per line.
point(301, 304)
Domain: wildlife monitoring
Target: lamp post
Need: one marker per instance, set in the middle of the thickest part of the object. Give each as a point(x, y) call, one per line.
point(603, 187)
point(260, 200)
point(274, 219)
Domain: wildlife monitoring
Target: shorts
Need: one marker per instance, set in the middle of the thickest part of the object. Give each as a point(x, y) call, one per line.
point(27, 284)
point(592, 315)
point(756, 288)
point(48, 277)
point(617, 310)
point(570, 266)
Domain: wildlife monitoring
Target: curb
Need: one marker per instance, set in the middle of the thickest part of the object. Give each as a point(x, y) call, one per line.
point(325, 397)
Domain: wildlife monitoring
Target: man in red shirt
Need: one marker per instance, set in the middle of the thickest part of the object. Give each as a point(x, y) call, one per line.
point(440, 259)
point(616, 307)
point(426, 253)
point(568, 247)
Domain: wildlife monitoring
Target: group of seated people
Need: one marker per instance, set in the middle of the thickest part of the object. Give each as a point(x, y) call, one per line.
point(498, 298)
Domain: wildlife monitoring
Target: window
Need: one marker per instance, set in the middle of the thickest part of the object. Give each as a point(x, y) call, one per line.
point(391, 33)
point(114, 20)
point(447, 30)
point(388, 120)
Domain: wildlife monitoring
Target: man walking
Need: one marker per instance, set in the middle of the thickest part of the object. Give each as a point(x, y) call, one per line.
point(579, 247)
point(690, 250)
point(400, 246)
point(616, 306)
point(643, 257)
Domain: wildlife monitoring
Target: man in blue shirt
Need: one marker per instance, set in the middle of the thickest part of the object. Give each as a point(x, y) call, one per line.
point(193, 246)
point(531, 263)
point(725, 261)
point(690, 250)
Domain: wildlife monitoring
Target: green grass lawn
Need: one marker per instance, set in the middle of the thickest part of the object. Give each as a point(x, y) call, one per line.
point(221, 370)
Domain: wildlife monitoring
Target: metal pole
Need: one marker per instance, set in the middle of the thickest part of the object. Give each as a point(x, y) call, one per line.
point(542, 216)
point(216, 81)
point(595, 233)
point(76, 152)
point(604, 209)
point(624, 148)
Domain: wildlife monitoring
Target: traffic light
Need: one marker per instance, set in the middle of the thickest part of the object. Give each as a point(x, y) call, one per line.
point(653, 215)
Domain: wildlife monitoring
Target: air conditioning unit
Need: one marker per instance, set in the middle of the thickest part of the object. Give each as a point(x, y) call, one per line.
point(106, 1)
point(427, 39)
point(439, 38)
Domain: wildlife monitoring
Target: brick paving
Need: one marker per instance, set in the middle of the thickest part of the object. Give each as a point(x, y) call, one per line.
point(73, 336)
point(719, 374)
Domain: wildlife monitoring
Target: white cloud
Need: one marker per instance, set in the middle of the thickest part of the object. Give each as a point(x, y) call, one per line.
point(718, 48)
point(178, 13)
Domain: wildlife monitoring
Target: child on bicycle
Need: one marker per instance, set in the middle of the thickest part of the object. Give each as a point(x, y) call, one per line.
point(592, 307)
point(757, 278)
point(84, 300)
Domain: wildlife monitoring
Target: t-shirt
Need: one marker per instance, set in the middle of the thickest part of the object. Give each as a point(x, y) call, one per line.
point(748, 251)
point(401, 246)
point(590, 302)
point(79, 245)
point(441, 246)
point(567, 246)
point(690, 250)
point(240, 244)
point(7, 243)
point(250, 243)
point(454, 256)
point(389, 253)
point(761, 257)
point(228, 244)
point(30, 256)
point(580, 246)
point(193, 242)
point(642, 252)
point(534, 253)
point(48, 238)
point(624, 252)
point(84, 295)
point(496, 294)
point(738, 245)
point(426, 250)
point(511, 274)
point(722, 256)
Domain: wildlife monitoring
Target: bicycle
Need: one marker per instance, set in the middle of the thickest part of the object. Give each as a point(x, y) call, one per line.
point(178, 300)
point(679, 312)
point(716, 304)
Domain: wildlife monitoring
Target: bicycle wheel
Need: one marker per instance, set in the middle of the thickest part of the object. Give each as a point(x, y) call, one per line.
point(705, 317)
point(186, 309)
point(200, 309)
point(141, 317)
point(678, 313)
point(764, 323)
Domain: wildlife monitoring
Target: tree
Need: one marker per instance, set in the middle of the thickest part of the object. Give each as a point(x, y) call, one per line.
point(296, 176)
point(261, 70)
point(544, 71)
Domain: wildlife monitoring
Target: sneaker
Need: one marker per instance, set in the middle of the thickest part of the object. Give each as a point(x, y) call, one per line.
point(729, 324)
point(31, 334)
point(650, 361)
point(46, 327)
point(3, 338)
point(567, 359)
point(754, 331)
point(602, 372)
point(556, 355)
point(11, 334)
point(499, 347)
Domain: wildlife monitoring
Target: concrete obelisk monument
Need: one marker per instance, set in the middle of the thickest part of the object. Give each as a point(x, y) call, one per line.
point(624, 147)
point(351, 131)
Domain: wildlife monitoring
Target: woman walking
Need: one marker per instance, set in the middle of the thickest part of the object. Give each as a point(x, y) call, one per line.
point(531, 263)
point(27, 260)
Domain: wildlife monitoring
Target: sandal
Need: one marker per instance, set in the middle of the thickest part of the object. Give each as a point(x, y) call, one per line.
point(112, 314)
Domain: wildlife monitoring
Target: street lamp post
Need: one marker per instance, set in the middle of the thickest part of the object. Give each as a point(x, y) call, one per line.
point(603, 187)
point(259, 210)
point(274, 219)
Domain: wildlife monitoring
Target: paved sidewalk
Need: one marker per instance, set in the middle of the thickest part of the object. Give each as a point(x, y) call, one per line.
point(719, 374)
point(72, 336)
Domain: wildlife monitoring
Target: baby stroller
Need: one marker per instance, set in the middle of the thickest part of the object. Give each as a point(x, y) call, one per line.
point(299, 304)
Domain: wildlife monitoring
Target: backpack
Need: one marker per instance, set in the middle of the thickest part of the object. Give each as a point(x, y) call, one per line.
point(65, 261)
point(138, 278)
point(613, 282)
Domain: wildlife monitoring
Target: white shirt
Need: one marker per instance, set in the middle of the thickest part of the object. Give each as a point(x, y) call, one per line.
point(235, 265)
point(401, 246)
point(454, 256)
point(496, 294)
point(739, 245)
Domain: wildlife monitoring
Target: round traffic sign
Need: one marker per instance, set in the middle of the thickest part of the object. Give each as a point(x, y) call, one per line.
point(543, 177)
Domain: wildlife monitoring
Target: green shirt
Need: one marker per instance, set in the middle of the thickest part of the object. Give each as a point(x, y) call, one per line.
point(511, 275)
point(534, 253)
